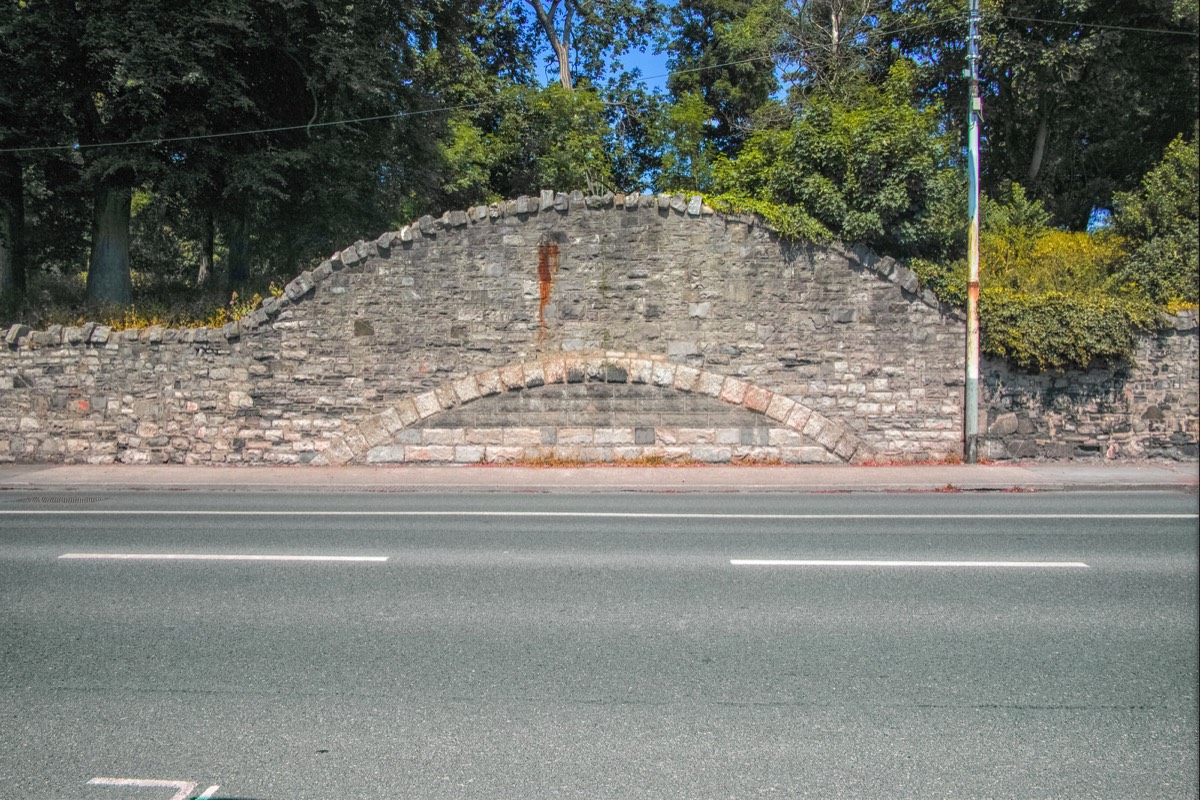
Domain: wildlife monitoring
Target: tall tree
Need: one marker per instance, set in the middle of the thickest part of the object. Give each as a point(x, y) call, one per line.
point(1079, 97)
point(723, 52)
point(586, 37)
point(827, 44)
point(30, 74)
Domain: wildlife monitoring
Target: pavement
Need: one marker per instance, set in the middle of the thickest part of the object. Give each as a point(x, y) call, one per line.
point(1040, 476)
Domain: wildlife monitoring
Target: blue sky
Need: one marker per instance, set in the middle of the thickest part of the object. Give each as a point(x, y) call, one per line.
point(653, 67)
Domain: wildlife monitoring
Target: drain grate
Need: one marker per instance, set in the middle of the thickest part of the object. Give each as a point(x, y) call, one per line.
point(70, 500)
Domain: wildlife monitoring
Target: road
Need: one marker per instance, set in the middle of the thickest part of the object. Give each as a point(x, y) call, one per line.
point(597, 645)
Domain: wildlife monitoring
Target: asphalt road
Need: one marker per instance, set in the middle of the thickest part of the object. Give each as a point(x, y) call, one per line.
point(597, 646)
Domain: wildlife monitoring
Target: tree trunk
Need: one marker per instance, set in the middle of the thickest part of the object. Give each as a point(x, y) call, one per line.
point(108, 279)
point(561, 46)
point(238, 236)
point(564, 66)
point(12, 233)
point(1039, 149)
point(207, 245)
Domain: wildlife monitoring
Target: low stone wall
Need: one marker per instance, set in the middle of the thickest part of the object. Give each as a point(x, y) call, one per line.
point(561, 326)
point(1144, 410)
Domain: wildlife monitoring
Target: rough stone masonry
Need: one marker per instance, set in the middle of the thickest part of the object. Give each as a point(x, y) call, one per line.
point(619, 327)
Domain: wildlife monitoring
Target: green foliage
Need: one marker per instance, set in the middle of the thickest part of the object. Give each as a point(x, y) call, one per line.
point(874, 169)
point(1023, 253)
point(1057, 331)
point(531, 138)
point(687, 153)
point(1162, 219)
point(1047, 300)
point(722, 53)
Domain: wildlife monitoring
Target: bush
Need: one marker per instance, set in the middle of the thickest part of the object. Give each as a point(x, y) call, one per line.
point(1161, 220)
point(1057, 330)
point(875, 168)
point(1047, 299)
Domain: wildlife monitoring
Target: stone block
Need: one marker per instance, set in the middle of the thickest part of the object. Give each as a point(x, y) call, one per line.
point(554, 371)
point(640, 370)
point(466, 389)
point(503, 455)
point(686, 378)
point(534, 376)
point(780, 408)
point(446, 396)
point(301, 285)
point(443, 436)
point(613, 436)
point(682, 348)
point(15, 334)
point(733, 391)
point(489, 383)
point(427, 404)
point(524, 437)
point(469, 454)
point(374, 430)
point(710, 384)
point(757, 399)
point(712, 454)
point(512, 377)
point(663, 374)
point(574, 436)
point(1003, 425)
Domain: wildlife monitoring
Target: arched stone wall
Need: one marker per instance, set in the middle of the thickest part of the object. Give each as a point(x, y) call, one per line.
point(866, 364)
point(812, 437)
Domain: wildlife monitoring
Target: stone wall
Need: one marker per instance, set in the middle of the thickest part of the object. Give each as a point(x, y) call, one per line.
point(559, 326)
point(1144, 410)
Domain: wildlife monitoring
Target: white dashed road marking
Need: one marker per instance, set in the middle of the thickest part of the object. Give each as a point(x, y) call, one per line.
point(212, 557)
point(183, 789)
point(764, 562)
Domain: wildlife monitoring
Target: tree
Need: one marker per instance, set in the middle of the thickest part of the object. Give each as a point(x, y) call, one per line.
point(29, 73)
point(587, 35)
point(873, 168)
point(1162, 221)
point(827, 44)
point(723, 53)
point(12, 232)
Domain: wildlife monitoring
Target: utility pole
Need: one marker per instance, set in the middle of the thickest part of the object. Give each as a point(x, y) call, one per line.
point(974, 117)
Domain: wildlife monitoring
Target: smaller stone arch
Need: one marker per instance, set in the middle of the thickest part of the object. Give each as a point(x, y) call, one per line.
point(607, 367)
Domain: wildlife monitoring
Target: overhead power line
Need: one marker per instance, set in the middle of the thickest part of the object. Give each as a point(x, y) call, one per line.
point(1101, 26)
point(773, 56)
point(230, 134)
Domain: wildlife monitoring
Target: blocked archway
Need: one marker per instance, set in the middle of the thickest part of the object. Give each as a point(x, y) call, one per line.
point(821, 436)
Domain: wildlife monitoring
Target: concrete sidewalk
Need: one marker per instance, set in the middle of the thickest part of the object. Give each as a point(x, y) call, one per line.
point(1059, 476)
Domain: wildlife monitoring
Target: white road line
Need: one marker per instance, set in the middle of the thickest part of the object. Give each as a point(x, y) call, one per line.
point(185, 787)
point(207, 793)
point(763, 562)
point(573, 514)
point(213, 557)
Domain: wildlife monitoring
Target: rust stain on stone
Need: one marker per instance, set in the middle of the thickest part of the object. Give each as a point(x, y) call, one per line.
point(547, 269)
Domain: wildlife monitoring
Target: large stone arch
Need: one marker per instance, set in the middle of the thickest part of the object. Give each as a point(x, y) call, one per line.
point(839, 442)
